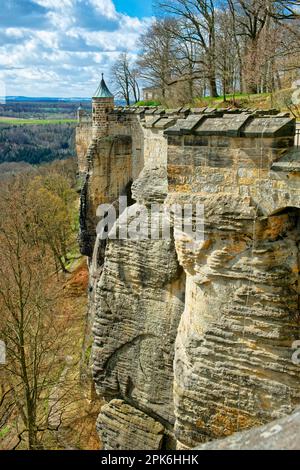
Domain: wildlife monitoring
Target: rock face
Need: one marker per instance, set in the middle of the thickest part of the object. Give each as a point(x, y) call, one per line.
point(139, 300)
point(193, 339)
point(119, 425)
point(233, 367)
point(233, 357)
point(282, 434)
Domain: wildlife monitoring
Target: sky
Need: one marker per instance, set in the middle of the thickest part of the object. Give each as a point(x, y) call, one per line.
point(59, 48)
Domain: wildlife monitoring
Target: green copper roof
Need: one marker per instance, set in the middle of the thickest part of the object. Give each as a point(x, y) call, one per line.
point(103, 91)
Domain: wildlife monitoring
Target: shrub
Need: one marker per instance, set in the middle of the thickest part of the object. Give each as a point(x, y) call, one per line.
point(148, 103)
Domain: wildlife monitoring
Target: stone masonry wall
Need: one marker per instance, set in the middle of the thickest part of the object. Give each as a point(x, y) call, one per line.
point(100, 110)
point(109, 171)
point(83, 140)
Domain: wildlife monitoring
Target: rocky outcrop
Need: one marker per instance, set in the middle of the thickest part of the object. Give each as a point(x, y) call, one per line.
point(108, 174)
point(282, 434)
point(120, 425)
point(193, 340)
point(233, 367)
point(233, 356)
point(138, 302)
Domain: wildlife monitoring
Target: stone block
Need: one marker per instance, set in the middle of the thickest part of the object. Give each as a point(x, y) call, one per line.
point(270, 127)
point(123, 427)
point(228, 125)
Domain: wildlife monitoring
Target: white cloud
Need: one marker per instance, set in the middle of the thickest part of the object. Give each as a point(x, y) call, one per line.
point(55, 4)
point(14, 33)
point(84, 37)
point(61, 21)
point(106, 7)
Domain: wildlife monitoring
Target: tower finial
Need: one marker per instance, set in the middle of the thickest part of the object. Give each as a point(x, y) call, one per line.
point(102, 90)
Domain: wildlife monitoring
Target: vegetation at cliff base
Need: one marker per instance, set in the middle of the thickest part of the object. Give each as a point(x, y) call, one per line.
point(38, 230)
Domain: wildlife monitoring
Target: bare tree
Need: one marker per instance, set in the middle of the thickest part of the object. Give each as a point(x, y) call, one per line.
point(33, 331)
point(230, 45)
point(125, 79)
point(256, 23)
point(197, 19)
point(157, 58)
point(53, 205)
point(227, 62)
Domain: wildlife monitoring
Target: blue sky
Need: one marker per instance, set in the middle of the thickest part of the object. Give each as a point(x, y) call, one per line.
point(60, 47)
point(139, 8)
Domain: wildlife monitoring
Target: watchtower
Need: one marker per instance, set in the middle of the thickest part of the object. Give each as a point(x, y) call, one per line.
point(80, 113)
point(102, 104)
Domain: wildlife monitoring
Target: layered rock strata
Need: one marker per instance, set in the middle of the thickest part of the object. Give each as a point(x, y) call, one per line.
point(282, 434)
point(138, 303)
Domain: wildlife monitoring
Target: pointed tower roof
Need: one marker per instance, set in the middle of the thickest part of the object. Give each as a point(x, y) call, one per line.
point(102, 91)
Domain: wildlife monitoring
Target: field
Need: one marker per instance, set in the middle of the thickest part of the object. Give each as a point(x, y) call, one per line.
point(36, 122)
point(35, 132)
point(33, 110)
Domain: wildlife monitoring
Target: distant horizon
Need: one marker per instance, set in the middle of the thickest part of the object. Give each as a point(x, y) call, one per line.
point(21, 98)
point(61, 98)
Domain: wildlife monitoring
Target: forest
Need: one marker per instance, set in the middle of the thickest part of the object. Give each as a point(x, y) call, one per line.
point(35, 144)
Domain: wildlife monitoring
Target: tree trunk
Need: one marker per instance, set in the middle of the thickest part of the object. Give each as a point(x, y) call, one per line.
point(32, 438)
point(213, 87)
point(252, 89)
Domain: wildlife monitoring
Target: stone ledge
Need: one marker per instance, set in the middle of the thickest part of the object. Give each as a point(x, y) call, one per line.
point(234, 125)
point(289, 163)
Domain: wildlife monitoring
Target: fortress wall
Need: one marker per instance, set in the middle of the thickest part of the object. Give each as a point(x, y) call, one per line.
point(239, 150)
point(155, 148)
point(149, 146)
point(109, 171)
point(82, 140)
point(257, 162)
point(130, 125)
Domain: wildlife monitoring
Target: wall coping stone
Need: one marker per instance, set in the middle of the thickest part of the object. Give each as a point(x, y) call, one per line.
point(261, 124)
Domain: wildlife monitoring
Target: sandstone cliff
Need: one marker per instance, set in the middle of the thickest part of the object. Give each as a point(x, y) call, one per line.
point(193, 341)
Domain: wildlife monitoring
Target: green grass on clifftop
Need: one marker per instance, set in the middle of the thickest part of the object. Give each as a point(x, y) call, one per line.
point(240, 100)
point(148, 103)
